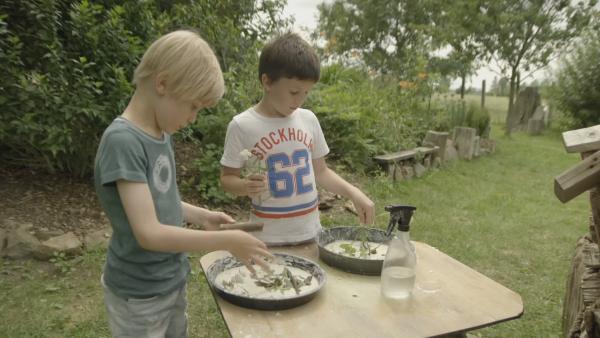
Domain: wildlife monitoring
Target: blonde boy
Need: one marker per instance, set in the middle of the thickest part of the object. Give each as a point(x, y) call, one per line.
point(146, 268)
point(289, 141)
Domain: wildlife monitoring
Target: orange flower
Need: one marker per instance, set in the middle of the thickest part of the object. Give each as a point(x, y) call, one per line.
point(422, 75)
point(406, 84)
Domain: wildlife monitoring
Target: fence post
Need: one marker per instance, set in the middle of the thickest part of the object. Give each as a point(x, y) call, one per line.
point(482, 93)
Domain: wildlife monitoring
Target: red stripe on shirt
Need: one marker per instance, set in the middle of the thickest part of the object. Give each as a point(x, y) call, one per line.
point(292, 214)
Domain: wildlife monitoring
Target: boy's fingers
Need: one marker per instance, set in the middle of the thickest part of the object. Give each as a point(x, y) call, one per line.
point(250, 267)
point(262, 263)
point(264, 252)
point(368, 216)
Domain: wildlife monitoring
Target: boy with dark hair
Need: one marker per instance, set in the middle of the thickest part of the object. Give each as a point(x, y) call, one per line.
point(286, 139)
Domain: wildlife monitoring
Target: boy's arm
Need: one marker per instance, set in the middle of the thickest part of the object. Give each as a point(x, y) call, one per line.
point(332, 182)
point(152, 235)
point(251, 186)
point(209, 219)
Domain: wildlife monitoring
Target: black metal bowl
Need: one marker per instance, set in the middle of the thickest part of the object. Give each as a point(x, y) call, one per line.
point(346, 263)
point(230, 262)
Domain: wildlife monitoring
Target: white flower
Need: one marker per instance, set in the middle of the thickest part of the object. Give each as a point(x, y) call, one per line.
point(246, 154)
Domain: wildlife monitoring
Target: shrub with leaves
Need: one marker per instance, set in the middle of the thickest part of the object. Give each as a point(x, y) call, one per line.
point(458, 113)
point(576, 91)
point(363, 116)
point(67, 65)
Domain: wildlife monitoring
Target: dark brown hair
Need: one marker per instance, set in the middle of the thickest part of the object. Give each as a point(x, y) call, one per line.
point(288, 55)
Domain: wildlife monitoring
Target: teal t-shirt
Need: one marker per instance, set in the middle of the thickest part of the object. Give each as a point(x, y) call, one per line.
point(127, 153)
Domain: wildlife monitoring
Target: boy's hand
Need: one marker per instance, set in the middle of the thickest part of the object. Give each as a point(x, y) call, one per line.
point(255, 184)
point(215, 218)
point(364, 207)
point(248, 249)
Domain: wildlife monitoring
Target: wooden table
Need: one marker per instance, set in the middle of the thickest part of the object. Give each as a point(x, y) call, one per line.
point(448, 297)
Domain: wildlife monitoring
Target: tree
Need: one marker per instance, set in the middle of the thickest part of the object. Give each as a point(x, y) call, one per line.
point(524, 35)
point(390, 35)
point(457, 25)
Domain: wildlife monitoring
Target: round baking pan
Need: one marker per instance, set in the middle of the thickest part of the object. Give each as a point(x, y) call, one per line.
point(346, 263)
point(231, 262)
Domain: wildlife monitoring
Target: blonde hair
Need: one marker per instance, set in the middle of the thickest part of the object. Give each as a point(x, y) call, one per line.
point(191, 67)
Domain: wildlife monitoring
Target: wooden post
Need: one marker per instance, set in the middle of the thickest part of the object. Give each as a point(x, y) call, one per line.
point(581, 311)
point(482, 93)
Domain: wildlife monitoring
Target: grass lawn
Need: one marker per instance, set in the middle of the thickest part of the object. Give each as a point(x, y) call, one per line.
point(496, 105)
point(497, 214)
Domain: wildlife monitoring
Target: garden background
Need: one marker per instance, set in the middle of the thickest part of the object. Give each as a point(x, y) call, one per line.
point(66, 70)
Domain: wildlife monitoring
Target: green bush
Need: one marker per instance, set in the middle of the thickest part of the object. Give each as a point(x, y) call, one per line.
point(363, 116)
point(576, 92)
point(67, 65)
point(59, 94)
point(459, 113)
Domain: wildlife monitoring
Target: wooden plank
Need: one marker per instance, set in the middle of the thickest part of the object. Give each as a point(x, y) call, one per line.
point(448, 297)
point(404, 154)
point(580, 140)
point(427, 150)
point(393, 157)
point(246, 226)
point(579, 178)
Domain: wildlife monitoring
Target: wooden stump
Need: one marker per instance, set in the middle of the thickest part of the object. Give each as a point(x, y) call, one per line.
point(573, 305)
point(436, 138)
point(525, 105)
point(535, 127)
point(477, 147)
point(595, 220)
point(464, 141)
point(581, 311)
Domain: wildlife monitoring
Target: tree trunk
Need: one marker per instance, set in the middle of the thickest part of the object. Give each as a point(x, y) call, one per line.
point(511, 95)
point(518, 84)
point(462, 85)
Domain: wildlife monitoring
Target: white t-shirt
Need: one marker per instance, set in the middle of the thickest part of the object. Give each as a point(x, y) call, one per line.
point(285, 146)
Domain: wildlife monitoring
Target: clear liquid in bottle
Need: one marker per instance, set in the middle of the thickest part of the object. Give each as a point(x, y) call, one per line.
point(397, 282)
point(398, 270)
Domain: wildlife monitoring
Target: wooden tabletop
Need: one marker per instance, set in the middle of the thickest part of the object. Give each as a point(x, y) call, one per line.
point(448, 297)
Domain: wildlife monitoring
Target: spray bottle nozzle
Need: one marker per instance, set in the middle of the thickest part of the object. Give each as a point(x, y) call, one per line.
point(400, 215)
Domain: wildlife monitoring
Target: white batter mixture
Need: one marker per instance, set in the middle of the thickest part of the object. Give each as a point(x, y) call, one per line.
point(264, 285)
point(358, 249)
